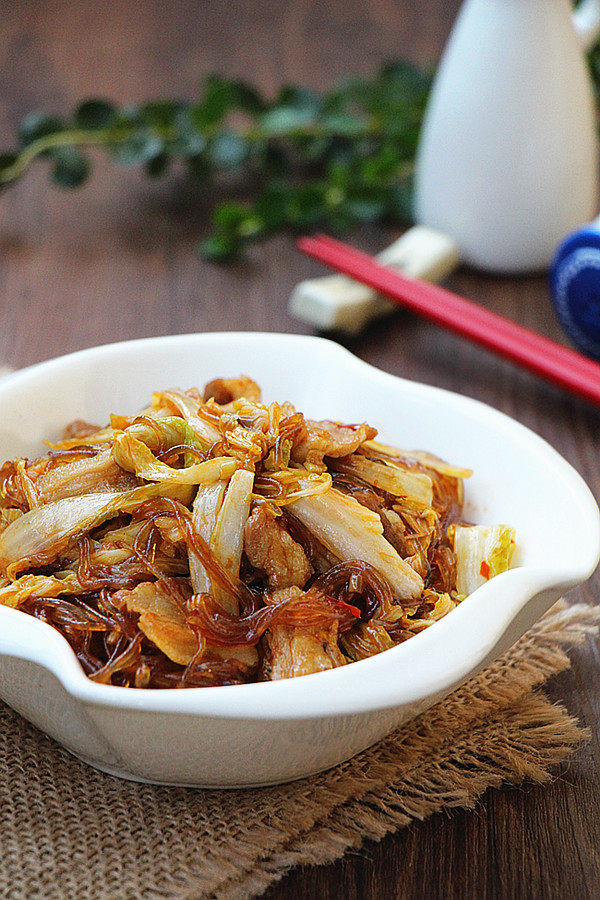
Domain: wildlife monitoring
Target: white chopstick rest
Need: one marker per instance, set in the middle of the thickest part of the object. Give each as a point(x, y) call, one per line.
point(338, 302)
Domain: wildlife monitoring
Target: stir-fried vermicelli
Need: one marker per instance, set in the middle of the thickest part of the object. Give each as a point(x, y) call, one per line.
point(215, 539)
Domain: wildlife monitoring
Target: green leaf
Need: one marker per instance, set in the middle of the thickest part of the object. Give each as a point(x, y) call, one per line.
point(130, 115)
point(160, 115)
point(382, 165)
point(299, 98)
point(344, 124)
point(188, 145)
point(414, 80)
point(251, 228)
point(220, 247)
point(248, 99)
point(138, 149)
point(236, 221)
point(228, 150)
point(198, 121)
point(271, 205)
point(157, 166)
point(365, 210)
point(37, 125)
point(189, 141)
point(307, 205)
point(316, 149)
point(95, 113)
point(343, 153)
point(71, 167)
point(286, 120)
point(227, 216)
point(218, 99)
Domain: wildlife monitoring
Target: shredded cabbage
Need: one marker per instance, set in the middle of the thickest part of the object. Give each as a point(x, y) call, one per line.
point(207, 505)
point(219, 516)
point(427, 459)
point(165, 433)
point(351, 531)
point(16, 592)
point(391, 477)
point(481, 554)
point(227, 539)
point(134, 456)
point(43, 532)
point(189, 410)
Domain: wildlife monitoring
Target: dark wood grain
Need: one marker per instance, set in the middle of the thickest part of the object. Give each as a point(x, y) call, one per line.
point(117, 260)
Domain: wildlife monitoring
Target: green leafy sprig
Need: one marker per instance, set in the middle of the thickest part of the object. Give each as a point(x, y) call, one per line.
point(319, 159)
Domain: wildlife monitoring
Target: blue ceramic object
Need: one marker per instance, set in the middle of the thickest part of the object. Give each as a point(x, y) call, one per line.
point(575, 287)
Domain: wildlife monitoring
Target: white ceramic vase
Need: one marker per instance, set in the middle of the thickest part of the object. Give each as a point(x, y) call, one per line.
point(508, 158)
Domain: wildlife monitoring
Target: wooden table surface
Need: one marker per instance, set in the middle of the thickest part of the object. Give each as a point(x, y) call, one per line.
point(117, 260)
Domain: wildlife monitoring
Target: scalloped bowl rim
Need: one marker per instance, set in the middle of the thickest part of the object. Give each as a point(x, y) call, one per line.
point(360, 687)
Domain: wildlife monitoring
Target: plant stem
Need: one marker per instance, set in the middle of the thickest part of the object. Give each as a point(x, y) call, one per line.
point(76, 136)
point(111, 135)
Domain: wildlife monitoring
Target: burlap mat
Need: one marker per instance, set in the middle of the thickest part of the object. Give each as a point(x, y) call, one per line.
point(69, 831)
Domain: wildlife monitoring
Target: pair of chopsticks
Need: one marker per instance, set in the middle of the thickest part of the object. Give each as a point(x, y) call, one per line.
point(539, 354)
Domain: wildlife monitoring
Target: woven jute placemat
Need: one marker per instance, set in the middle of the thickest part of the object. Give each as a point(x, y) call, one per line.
point(68, 831)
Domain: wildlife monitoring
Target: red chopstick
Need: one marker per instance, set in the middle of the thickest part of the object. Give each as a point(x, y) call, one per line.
point(539, 354)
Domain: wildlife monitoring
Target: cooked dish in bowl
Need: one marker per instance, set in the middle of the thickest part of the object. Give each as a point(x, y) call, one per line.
point(215, 539)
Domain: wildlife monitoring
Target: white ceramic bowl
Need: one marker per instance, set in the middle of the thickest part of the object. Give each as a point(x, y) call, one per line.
point(276, 731)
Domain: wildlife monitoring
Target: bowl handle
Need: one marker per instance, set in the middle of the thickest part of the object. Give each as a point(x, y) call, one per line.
point(24, 637)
